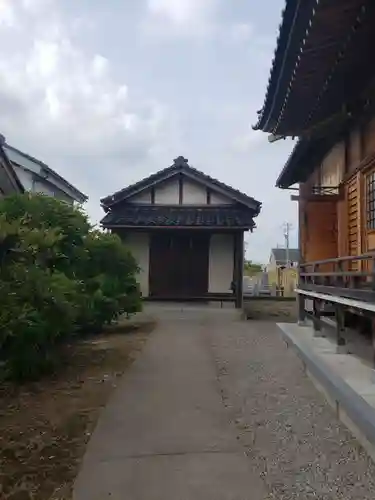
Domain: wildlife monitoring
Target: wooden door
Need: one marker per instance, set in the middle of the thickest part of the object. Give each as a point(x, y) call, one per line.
point(160, 277)
point(179, 264)
point(199, 259)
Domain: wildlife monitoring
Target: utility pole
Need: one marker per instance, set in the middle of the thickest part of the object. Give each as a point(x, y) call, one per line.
point(287, 228)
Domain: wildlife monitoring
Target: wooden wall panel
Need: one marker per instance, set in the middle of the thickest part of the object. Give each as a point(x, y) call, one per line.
point(371, 242)
point(368, 234)
point(354, 150)
point(342, 224)
point(318, 226)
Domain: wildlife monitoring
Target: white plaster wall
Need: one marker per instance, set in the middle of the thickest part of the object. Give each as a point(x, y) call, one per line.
point(139, 245)
point(194, 193)
point(39, 186)
point(220, 273)
point(219, 199)
point(30, 167)
point(50, 190)
point(143, 197)
point(167, 193)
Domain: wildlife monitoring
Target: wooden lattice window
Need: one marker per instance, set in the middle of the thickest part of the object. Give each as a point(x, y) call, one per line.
point(370, 200)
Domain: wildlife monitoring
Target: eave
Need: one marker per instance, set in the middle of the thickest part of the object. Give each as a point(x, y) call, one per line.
point(43, 171)
point(303, 159)
point(310, 151)
point(322, 62)
point(179, 217)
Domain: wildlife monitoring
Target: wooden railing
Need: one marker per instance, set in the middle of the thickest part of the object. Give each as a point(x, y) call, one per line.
point(325, 190)
point(351, 277)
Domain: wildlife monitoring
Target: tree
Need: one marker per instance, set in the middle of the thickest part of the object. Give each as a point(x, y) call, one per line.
point(58, 277)
point(252, 268)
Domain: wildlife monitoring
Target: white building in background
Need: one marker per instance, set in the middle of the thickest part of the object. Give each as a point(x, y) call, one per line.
point(37, 177)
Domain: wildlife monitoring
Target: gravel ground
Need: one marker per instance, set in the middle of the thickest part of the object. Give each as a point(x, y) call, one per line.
point(289, 432)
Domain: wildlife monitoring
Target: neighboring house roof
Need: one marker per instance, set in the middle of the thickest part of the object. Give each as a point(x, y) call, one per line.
point(159, 216)
point(9, 182)
point(41, 170)
point(320, 45)
point(181, 166)
point(280, 254)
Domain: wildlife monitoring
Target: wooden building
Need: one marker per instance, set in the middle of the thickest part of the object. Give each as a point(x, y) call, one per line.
point(186, 231)
point(322, 90)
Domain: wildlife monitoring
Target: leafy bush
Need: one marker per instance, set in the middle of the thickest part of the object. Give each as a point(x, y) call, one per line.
point(109, 279)
point(58, 277)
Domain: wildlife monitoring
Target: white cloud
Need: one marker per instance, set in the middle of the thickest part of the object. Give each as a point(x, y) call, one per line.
point(181, 11)
point(6, 14)
point(99, 66)
point(179, 18)
point(241, 32)
point(63, 105)
point(247, 141)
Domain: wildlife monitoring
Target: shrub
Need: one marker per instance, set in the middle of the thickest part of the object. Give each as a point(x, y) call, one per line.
point(108, 277)
point(58, 276)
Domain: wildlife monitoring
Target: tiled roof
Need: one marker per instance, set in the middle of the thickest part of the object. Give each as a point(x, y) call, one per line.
point(285, 28)
point(156, 216)
point(181, 165)
point(20, 158)
point(321, 44)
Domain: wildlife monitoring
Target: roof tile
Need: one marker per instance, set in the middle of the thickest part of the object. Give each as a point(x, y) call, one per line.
point(156, 216)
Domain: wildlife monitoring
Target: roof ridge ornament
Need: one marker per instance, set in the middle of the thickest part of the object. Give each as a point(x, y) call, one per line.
point(180, 161)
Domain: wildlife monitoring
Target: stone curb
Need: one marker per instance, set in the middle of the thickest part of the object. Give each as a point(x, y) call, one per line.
point(361, 413)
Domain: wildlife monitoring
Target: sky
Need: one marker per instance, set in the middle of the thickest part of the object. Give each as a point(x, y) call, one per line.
point(107, 92)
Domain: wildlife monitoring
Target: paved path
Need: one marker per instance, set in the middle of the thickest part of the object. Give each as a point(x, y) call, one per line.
point(219, 409)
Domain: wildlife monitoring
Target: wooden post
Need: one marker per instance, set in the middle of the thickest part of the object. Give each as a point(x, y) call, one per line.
point(301, 309)
point(238, 262)
point(372, 326)
point(316, 317)
point(340, 328)
point(372, 264)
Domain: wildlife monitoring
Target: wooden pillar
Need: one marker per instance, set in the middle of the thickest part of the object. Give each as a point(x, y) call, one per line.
point(301, 309)
point(340, 327)
point(238, 261)
point(372, 320)
point(316, 317)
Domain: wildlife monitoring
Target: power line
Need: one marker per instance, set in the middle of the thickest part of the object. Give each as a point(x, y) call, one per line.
point(287, 228)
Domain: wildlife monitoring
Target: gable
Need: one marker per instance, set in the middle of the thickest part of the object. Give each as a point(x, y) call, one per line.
point(9, 182)
point(142, 197)
point(180, 190)
point(181, 184)
point(28, 168)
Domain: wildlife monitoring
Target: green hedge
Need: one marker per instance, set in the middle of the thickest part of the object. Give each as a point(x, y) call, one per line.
point(58, 277)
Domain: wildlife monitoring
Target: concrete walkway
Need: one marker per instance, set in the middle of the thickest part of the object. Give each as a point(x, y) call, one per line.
point(218, 409)
point(166, 433)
